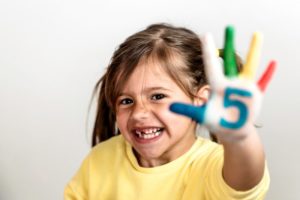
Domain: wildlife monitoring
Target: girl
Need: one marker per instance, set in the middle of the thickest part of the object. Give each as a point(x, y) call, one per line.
point(143, 150)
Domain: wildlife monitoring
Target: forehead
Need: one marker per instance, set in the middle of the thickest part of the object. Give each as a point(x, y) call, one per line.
point(149, 74)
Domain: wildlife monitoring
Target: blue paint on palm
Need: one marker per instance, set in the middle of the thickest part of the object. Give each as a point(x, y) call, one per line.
point(243, 110)
point(197, 113)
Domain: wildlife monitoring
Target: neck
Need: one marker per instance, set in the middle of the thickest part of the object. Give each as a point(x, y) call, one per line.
point(155, 162)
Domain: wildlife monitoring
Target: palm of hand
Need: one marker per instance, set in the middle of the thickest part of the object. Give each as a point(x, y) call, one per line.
point(235, 97)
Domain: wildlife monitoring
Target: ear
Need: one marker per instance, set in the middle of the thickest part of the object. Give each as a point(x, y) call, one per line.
point(202, 95)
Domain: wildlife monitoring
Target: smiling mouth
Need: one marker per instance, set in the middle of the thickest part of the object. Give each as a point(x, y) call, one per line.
point(148, 133)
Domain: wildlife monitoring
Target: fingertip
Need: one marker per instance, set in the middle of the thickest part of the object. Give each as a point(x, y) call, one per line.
point(207, 38)
point(230, 67)
point(258, 35)
point(229, 30)
point(253, 56)
point(208, 45)
point(273, 64)
point(229, 34)
point(257, 40)
point(175, 107)
point(194, 112)
point(267, 75)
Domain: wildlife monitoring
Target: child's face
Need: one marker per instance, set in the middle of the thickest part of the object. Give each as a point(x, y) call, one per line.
point(144, 119)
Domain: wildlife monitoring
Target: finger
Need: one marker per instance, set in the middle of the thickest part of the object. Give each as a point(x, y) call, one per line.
point(230, 67)
point(252, 61)
point(196, 113)
point(213, 67)
point(266, 77)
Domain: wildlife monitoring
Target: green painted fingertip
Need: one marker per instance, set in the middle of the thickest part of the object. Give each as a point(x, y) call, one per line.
point(230, 67)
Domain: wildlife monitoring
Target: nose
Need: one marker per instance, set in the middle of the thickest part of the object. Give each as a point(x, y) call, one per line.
point(140, 111)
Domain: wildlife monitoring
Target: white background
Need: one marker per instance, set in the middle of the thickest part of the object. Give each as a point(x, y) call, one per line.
point(52, 52)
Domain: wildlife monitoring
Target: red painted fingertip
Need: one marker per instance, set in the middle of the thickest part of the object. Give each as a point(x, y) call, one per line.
point(267, 75)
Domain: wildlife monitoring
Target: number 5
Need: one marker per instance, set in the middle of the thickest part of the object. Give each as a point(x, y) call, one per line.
point(243, 110)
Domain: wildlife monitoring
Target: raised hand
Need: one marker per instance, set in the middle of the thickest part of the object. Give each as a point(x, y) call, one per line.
point(235, 98)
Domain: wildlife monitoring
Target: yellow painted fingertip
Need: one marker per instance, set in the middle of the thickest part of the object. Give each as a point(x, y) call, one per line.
point(253, 57)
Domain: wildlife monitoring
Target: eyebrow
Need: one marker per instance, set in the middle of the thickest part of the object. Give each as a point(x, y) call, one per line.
point(157, 88)
point(150, 89)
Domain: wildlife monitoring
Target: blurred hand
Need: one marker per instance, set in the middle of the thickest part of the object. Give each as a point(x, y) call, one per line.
point(235, 98)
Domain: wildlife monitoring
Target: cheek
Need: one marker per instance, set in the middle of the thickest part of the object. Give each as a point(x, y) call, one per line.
point(121, 119)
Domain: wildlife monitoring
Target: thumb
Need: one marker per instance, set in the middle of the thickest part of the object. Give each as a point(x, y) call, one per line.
point(196, 113)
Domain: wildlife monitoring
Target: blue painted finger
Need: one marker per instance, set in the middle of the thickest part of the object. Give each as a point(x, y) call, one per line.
point(197, 113)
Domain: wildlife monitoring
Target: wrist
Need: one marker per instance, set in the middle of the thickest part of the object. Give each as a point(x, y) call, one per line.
point(237, 136)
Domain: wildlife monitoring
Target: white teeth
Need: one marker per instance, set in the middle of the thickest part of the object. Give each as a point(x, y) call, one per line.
point(152, 130)
point(148, 133)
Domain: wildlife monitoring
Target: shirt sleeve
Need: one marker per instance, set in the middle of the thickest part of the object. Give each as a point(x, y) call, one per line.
point(217, 188)
point(76, 189)
point(71, 194)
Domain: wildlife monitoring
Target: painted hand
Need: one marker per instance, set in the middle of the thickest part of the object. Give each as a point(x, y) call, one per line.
point(235, 98)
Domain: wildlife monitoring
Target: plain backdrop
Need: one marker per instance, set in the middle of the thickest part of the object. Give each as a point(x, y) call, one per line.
point(52, 52)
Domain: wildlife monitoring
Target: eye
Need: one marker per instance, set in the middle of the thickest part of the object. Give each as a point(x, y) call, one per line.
point(125, 101)
point(157, 96)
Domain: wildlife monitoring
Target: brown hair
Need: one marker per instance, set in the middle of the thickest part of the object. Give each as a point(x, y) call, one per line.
point(161, 42)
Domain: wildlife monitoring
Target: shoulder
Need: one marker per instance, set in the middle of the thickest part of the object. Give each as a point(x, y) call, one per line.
point(96, 168)
point(108, 149)
point(104, 157)
point(113, 142)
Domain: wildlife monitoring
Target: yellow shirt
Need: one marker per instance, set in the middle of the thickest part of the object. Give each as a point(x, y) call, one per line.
point(111, 172)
